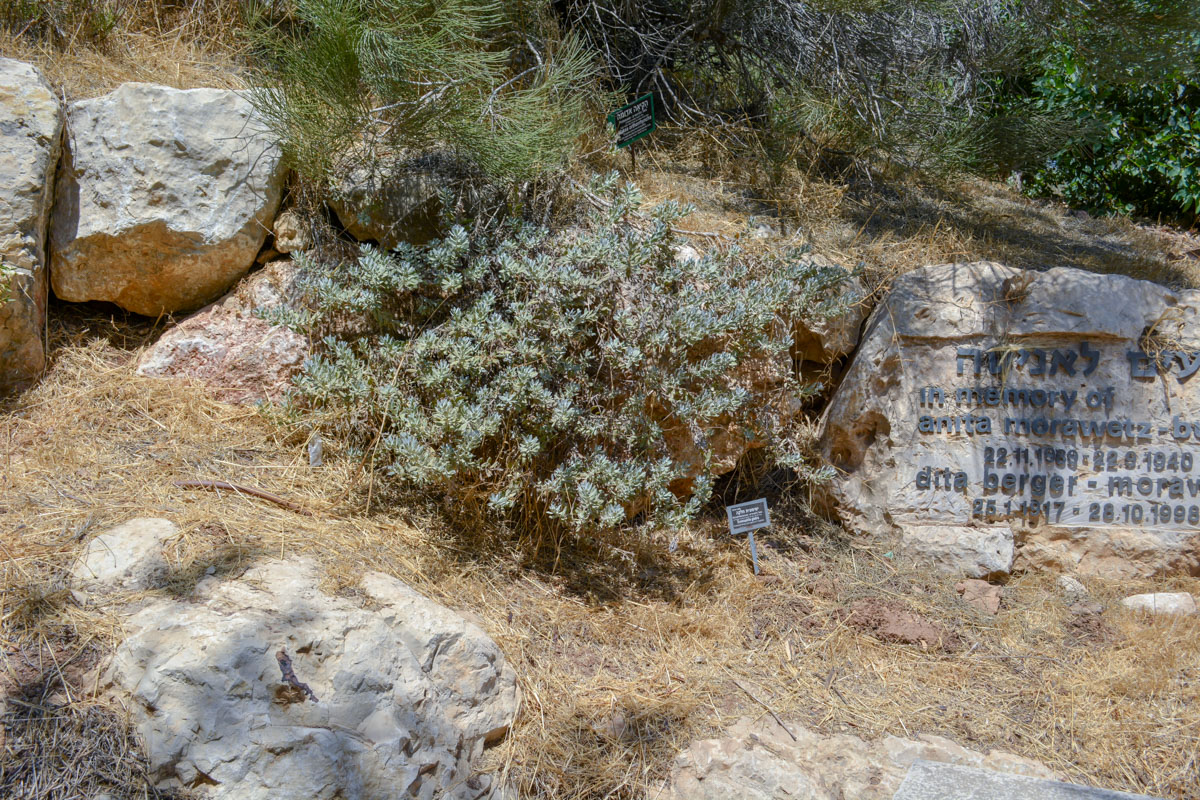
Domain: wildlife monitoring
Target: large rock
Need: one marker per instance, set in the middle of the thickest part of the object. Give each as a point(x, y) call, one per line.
point(1056, 408)
point(931, 780)
point(762, 761)
point(30, 139)
point(406, 696)
point(961, 550)
point(165, 198)
point(820, 336)
point(824, 338)
point(240, 356)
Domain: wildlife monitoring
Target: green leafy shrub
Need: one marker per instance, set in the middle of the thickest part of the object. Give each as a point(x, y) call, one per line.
point(539, 376)
point(1141, 150)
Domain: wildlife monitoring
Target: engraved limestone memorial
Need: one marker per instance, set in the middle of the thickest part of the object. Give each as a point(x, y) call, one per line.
point(994, 417)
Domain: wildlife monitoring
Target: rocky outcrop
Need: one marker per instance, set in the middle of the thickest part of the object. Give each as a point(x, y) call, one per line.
point(164, 199)
point(824, 338)
point(820, 336)
point(291, 234)
point(764, 761)
point(129, 557)
point(30, 140)
point(1051, 409)
point(240, 356)
point(266, 687)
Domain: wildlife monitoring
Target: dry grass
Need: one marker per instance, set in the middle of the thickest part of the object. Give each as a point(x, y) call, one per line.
point(888, 228)
point(178, 44)
point(624, 655)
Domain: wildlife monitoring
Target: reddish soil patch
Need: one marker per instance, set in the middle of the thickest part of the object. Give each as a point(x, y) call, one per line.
point(891, 622)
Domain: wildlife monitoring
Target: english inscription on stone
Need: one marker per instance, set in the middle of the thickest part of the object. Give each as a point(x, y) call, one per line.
point(1057, 411)
point(1048, 444)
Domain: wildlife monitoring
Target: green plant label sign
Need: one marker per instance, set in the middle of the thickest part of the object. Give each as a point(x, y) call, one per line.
point(746, 517)
point(634, 120)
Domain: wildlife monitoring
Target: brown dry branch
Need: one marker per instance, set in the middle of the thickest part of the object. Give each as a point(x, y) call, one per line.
point(233, 487)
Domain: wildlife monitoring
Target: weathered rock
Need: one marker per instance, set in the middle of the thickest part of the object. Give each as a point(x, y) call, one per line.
point(980, 594)
point(127, 557)
point(393, 203)
point(1181, 603)
point(291, 234)
point(928, 780)
point(982, 396)
point(824, 339)
point(407, 695)
point(960, 550)
point(1070, 588)
point(165, 198)
point(31, 123)
point(761, 761)
point(240, 356)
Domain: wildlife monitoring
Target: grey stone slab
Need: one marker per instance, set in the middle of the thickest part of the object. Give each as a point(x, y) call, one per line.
point(932, 780)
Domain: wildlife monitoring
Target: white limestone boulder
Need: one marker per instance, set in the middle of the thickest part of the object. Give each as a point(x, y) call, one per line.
point(128, 557)
point(31, 122)
point(407, 694)
point(981, 399)
point(1176, 603)
point(164, 199)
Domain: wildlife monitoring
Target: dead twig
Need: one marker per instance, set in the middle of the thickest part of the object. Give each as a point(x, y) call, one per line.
point(233, 487)
point(770, 710)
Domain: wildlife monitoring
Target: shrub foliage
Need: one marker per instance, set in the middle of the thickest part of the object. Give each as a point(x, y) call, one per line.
point(534, 375)
point(1140, 147)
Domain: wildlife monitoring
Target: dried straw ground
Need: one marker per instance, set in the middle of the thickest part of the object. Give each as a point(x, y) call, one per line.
point(892, 224)
point(181, 44)
point(624, 655)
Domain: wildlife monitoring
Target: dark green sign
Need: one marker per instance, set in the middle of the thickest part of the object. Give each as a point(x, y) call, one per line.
point(634, 120)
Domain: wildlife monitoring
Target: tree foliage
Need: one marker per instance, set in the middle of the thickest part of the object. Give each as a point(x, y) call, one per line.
point(1124, 79)
point(365, 79)
point(925, 83)
point(535, 375)
point(901, 79)
point(1141, 151)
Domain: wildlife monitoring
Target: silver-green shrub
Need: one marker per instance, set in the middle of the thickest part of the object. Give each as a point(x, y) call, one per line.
point(532, 374)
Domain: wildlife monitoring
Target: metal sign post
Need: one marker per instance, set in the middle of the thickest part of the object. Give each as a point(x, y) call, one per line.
point(633, 122)
point(747, 518)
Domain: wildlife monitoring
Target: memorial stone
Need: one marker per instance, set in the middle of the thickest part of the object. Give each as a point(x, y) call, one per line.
point(1059, 410)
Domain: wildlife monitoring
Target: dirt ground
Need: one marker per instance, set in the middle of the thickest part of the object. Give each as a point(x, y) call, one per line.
point(668, 641)
point(625, 652)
